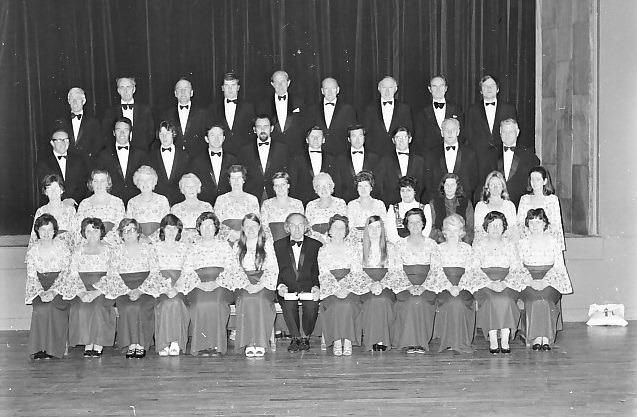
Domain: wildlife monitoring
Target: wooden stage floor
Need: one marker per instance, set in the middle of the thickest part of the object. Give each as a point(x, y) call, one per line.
point(591, 372)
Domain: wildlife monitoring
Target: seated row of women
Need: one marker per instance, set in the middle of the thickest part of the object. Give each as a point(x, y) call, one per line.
point(373, 292)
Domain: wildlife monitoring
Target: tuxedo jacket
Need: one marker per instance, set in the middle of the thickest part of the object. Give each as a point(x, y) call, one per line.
point(293, 133)
point(378, 138)
point(344, 179)
point(303, 277)
point(169, 186)
point(389, 174)
point(259, 177)
point(192, 140)
point(143, 125)
point(211, 189)
point(344, 115)
point(302, 174)
point(76, 173)
point(241, 131)
point(487, 144)
point(427, 133)
point(466, 167)
point(90, 140)
point(123, 186)
point(523, 161)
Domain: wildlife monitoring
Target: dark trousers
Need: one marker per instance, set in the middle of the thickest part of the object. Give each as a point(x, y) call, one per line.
point(309, 313)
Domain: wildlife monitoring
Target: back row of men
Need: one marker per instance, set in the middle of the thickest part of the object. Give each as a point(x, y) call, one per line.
point(281, 134)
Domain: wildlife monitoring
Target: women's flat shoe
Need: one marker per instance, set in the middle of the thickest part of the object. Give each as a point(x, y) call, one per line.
point(347, 348)
point(130, 353)
point(88, 353)
point(173, 351)
point(163, 352)
point(494, 351)
point(140, 353)
point(259, 352)
point(537, 346)
point(250, 352)
point(505, 350)
point(546, 347)
point(420, 349)
point(97, 354)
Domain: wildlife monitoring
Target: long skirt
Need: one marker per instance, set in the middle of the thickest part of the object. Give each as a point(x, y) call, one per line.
point(542, 313)
point(209, 314)
point(414, 321)
point(171, 317)
point(338, 317)
point(94, 322)
point(49, 321)
point(455, 321)
point(255, 318)
point(497, 310)
point(376, 317)
point(136, 323)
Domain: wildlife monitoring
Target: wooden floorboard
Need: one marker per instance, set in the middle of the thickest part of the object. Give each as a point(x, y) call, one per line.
point(591, 372)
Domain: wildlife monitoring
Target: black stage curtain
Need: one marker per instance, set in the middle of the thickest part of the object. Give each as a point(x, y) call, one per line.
point(49, 46)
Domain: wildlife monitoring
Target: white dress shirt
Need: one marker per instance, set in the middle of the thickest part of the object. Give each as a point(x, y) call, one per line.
point(440, 113)
point(230, 110)
point(358, 159)
point(76, 124)
point(128, 113)
point(490, 112)
point(62, 163)
point(215, 162)
point(297, 253)
point(264, 151)
point(122, 155)
point(403, 161)
point(183, 115)
point(329, 111)
point(450, 156)
point(168, 157)
point(316, 159)
point(388, 112)
point(507, 159)
point(281, 110)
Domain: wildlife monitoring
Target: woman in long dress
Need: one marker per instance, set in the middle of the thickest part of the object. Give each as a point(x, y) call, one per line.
point(396, 212)
point(92, 315)
point(319, 212)
point(148, 207)
point(232, 206)
point(495, 197)
point(341, 285)
point(255, 289)
point(546, 280)
point(189, 210)
point(205, 282)
point(497, 285)
point(102, 204)
point(53, 188)
point(171, 314)
point(275, 210)
point(451, 199)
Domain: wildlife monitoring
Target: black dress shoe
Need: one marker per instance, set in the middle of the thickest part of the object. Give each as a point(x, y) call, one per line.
point(39, 355)
point(131, 353)
point(537, 346)
point(304, 344)
point(507, 350)
point(88, 353)
point(494, 351)
point(96, 353)
point(140, 353)
point(375, 347)
point(382, 348)
point(546, 347)
point(294, 345)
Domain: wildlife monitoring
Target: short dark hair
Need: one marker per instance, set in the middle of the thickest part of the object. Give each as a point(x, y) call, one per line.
point(262, 116)
point(338, 218)
point(364, 175)
point(207, 215)
point(407, 181)
point(238, 168)
point(50, 179)
point(401, 129)
point(126, 222)
point(356, 126)
point(96, 223)
point(123, 120)
point(493, 216)
point(168, 126)
point(537, 213)
point(415, 212)
point(315, 127)
point(281, 175)
point(170, 220)
point(43, 220)
point(487, 77)
point(231, 76)
point(213, 125)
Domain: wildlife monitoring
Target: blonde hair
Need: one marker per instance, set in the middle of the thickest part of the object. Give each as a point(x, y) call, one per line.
point(145, 170)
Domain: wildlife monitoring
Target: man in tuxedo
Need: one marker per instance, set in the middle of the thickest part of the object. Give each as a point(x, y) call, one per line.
point(399, 163)
point(332, 116)
point(262, 157)
point(483, 121)
point(307, 164)
point(428, 121)
point(85, 135)
point(188, 118)
point(139, 115)
point(382, 116)
point(351, 163)
point(170, 162)
point(122, 160)
point(515, 161)
point(298, 273)
point(68, 165)
point(454, 157)
point(235, 115)
point(212, 166)
point(285, 111)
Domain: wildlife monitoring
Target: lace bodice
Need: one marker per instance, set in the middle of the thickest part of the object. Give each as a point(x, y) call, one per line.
point(38, 262)
point(427, 254)
point(215, 253)
point(270, 265)
point(112, 211)
point(317, 215)
point(124, 262)
point(501, 254)
point(507, 208)
point(338, 257)
point(546, 251)
point(229, 207)
point(395, 217)
point(358, 214)
point(171, 255)
point(64, 214)
point(148, 211)
point(551, 206)
point(188, 212)
point(82, 262)
point(332, 257)
point(270, 212)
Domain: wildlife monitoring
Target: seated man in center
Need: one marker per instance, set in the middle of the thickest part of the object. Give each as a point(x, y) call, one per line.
point(298, 276)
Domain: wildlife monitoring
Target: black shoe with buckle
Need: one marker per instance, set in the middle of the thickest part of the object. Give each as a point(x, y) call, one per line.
point(294, 345)
point(304, 344)
point(537, 346)
point(546, 347)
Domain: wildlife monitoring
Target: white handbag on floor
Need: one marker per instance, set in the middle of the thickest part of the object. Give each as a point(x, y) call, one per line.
point(606, 315)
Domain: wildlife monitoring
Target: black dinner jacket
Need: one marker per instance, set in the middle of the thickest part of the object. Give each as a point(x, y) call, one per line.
point(90, 140)
point(292, 134)
point(377, 138)
point(241, 131)
point(260, 178)
point(76, 173)
point(344, 115)
point(143, 125)
point(169, 187)
point(302, 174)
point(345, 186)
point(427, 133)
point(523, 160)
point(486, 144)
point(390, 174)
point(466, 167)
point(192, 140)
point(200, 166)
point(306, 276)
point(123, 186)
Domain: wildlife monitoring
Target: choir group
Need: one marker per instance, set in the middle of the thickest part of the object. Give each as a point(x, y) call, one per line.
point(375, 231)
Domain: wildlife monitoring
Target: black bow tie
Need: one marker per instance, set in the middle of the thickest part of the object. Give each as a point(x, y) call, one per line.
point(215, 153)
point(183, 107)
point(281, 97)
point(438, 105)
point(316, 151)
point(355, 152)
point(61, 156)
point(387, 102)
point(119, 148)
point(127, 106)
point(167, 149)
point(509, 148)
point(264, 143)
point(403, 153)
point(231, 101)
point(330, 103)
point(296, 242)
point(450, 147)
point(77, 116)
point(490, 104)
